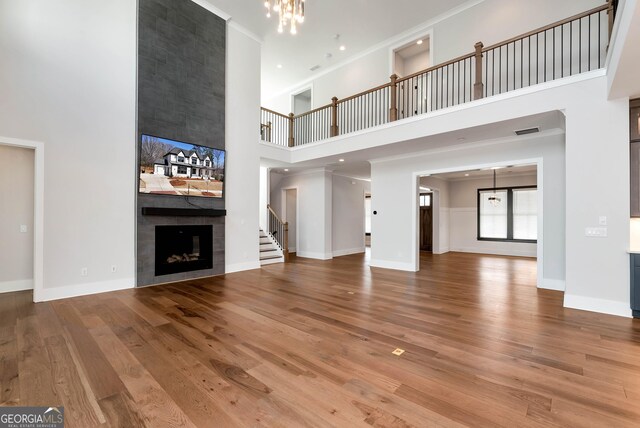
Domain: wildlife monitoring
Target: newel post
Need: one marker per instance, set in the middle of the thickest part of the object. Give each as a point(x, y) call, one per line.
point(478, 87)
point(334, 117)
point(291, 140)
point(285, 250)
point(393, 111)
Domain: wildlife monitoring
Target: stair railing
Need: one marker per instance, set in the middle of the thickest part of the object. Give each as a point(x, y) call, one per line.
point(571, 46)
point(279, 231)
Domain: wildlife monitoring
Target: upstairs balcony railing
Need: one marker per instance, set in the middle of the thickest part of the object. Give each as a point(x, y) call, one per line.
point(572, 46)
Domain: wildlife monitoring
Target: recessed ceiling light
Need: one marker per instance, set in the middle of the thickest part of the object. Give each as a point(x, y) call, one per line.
point(286, 170)
point(343, 48)
point(419, 42)
point(340, 160)
point(466, 175)
point(279, 65)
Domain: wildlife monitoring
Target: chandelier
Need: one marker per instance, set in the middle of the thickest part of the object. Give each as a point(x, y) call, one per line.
point(494, 200)
point(290, 12)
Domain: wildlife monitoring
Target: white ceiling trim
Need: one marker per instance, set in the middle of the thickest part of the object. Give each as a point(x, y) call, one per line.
point(419, 29)
point(211, 8)
point(233, 24)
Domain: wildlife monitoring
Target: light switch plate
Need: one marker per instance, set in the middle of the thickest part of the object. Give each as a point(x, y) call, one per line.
point(603, 220)
point(596, 232)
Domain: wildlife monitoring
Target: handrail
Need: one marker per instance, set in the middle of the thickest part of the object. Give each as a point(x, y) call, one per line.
point(368, 91)
point(530, 58)
point(315, 110)
point(279, 231)
point(275, 112)
point(274, 214)
point(435, 67)
point(548, 27)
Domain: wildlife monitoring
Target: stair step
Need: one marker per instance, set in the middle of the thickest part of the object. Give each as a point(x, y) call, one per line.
point(271, 257)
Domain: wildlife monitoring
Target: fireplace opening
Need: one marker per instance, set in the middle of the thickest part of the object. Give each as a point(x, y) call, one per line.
point(183, 249)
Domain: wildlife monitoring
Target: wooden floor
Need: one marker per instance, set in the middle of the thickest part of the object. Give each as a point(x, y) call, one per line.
point(310, 343)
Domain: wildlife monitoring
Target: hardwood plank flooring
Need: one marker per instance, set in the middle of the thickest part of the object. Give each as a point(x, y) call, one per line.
point(309, 343)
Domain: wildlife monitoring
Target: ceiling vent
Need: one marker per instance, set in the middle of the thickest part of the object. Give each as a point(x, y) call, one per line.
point(314, 68)
point(528, 131)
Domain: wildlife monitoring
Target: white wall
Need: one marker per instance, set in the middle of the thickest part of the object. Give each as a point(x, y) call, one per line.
point(242, 182)
point(17, 208)
point(68, 79)
point(463, 218)
point(348, 215)
point(392, 186)
point(490, 21)
point(314, 193)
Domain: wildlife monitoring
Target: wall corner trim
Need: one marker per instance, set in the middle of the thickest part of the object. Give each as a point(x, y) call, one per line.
point(591, 304)
point(552, 284)
point(385, 264)
point(56, 293)
point(239, 267)
point(16, 285)
point(348, 251)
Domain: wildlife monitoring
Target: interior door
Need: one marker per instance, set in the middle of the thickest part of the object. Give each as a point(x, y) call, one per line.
point(426, 224)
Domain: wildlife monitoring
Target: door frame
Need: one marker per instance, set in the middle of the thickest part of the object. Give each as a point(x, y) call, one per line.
point(415, 214)
point(38, 210)
point(283, 208)
point(298, 91)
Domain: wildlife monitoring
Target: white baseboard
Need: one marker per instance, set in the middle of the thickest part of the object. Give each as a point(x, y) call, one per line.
point(590, 304)
point(17, 285)
point(493, 252)
point(292, 249)
point(552, 284)
point(443, 250)
point(239, 267)
point(349, 251)
point(56, 293)
point(312, 255)
point(384, 264)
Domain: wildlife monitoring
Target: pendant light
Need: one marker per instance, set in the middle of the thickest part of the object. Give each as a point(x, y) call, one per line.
point(494, 200)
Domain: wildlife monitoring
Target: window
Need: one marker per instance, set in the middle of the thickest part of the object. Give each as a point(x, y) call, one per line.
point(207, 162)
point(367, 215)
point(180, 159)
point(515, 218)
point(425, 200)
point(525, 214)
point(194, 160)
point(182, 170)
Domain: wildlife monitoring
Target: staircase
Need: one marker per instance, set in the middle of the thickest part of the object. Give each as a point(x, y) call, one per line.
point(270, 252)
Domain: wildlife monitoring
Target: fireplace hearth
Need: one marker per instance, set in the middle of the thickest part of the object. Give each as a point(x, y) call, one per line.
point(183, 249)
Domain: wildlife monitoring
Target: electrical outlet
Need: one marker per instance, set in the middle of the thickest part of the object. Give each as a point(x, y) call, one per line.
point(114, 268)
point(23, 228)
point(603, 220)
point(84, 271)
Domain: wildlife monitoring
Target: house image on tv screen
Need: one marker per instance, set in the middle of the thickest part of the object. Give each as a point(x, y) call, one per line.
point(170, 167)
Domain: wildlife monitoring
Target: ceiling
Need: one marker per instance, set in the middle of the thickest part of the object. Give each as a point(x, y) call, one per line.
point(360, 24)
point(488, 173)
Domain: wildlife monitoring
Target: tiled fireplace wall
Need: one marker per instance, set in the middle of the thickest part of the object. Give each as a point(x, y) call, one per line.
point(181, 96)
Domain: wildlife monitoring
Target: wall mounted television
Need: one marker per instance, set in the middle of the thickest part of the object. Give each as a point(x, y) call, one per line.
point(169, 167)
